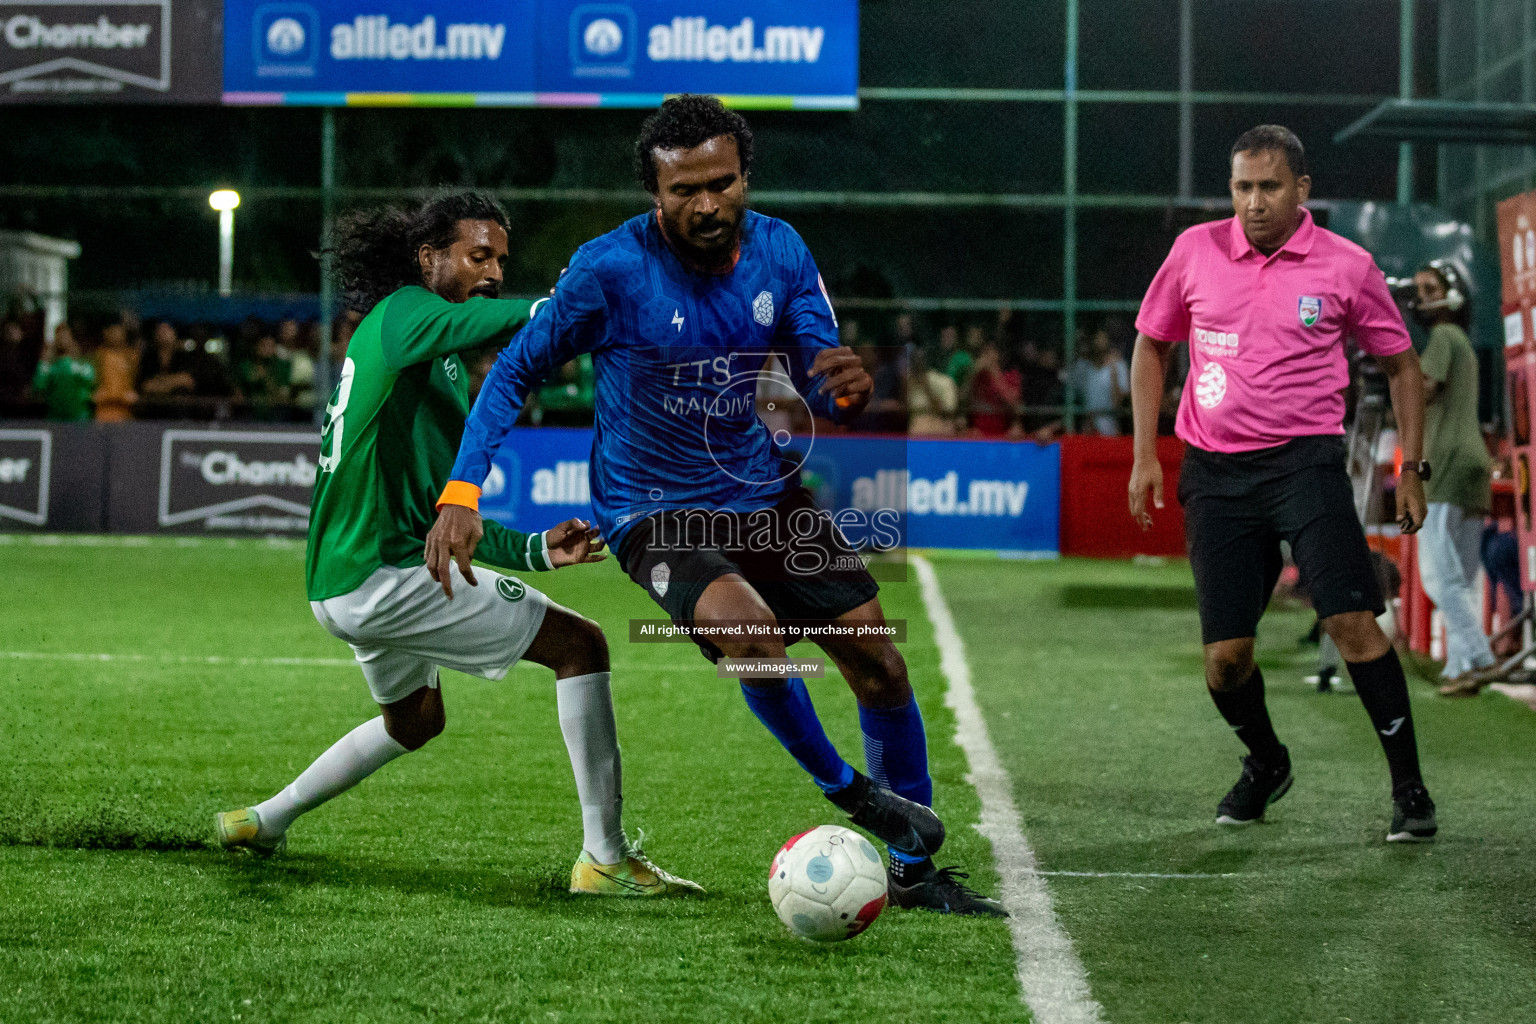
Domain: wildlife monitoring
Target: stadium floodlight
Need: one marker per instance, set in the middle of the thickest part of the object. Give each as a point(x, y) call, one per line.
point(225, 200)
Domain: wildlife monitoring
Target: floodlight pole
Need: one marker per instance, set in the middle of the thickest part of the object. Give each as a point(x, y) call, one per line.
point(226, 252)
point(1069, 233)
point(225, 200)
point(323, 383)
point(1405, 91)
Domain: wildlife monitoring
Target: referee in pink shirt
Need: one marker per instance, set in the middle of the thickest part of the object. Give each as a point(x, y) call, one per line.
point(1266, 300)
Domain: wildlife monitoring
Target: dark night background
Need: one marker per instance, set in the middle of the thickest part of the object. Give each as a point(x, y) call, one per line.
point(1313, 46)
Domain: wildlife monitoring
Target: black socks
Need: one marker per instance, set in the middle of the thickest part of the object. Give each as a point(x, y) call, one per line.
point(905, 874)
point(1244, 710)
point(1383, 690)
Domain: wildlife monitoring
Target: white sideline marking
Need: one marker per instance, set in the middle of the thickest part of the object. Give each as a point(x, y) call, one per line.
point(1054, 984)
point(179, 659)
point(1140, 874)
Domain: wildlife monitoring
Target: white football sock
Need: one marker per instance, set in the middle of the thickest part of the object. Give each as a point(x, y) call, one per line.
point(350, 760)
point(591, 738)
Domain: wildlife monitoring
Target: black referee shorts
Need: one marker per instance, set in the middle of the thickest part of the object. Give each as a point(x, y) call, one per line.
point(792, 554)
point(1237, 510)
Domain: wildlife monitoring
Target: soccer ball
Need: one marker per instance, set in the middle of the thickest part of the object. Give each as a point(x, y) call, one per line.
point(827, 884)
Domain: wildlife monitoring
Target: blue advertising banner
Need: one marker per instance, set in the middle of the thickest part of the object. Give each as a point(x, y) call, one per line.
point(753, 53)
point(985, 494)
point(998, 496)
point(990, 495)
point(539, 478)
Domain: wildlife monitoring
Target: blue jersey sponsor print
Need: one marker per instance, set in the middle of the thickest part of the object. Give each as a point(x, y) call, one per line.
point(677, 355)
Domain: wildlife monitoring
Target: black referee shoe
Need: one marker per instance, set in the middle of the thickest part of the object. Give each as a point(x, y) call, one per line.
point(1413, 815)
point(1259, 786)
point(899, 823)
point(942, 892)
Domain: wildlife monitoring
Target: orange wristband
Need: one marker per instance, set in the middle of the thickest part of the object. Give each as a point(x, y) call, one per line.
point(460, 493)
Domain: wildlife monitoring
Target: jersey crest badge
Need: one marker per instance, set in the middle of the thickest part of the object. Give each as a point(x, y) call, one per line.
point(661, 576)
point(762, 308)
point(510, 588)
point(1309, 308)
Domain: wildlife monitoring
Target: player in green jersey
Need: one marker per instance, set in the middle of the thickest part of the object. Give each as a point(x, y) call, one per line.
point(427, 280)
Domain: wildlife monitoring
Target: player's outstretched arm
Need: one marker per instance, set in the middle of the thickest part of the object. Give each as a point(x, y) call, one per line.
point(573, 542)
point(829, 376)
point(1149, 372)
point(569, 543)
point(562, 328)
point(419, 325)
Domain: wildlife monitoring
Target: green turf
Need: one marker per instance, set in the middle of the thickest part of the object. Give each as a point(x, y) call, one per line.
point(434, 891)
point(1118, 758)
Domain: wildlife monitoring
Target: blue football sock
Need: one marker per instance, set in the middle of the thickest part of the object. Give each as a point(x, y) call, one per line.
point(896, 755)
point(788, 713)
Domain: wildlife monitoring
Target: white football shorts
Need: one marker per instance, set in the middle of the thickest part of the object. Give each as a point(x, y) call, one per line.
point(402, 627)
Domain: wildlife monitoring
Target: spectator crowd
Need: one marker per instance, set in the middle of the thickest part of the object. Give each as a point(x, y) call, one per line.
point(992, 379)
point(933, 376)
point(118, 369)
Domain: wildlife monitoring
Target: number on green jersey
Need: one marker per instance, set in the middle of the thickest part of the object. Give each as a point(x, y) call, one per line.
point(335, 427)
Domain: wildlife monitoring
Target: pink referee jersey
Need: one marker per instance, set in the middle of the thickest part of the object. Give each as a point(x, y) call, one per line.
point(1266, 334)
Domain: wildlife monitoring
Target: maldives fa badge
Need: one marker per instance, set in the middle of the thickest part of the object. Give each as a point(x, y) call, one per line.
point(1309, 309)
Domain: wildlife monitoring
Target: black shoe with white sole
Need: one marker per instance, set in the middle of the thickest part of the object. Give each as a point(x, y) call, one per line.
point(1413, 815)
point(1260, 785)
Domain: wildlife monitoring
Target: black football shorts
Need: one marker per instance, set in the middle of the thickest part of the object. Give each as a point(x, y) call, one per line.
point(792, 554)
point(1237, 510)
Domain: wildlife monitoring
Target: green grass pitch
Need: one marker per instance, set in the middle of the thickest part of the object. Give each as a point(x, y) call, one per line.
point(435, 890)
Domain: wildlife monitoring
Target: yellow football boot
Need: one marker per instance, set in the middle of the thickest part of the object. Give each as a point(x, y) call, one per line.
point(635, 875)
point(238, 830)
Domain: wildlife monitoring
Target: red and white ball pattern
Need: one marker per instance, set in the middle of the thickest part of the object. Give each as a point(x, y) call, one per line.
point(827, 884)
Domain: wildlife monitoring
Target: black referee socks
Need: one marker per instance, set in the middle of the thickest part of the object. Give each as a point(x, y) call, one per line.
point(1383, 689)
point(1244, 710)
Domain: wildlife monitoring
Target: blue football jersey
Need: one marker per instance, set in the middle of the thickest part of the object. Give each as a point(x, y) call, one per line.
point(677, 356)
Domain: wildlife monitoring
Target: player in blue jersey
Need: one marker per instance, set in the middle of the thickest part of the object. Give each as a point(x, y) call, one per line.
point(681, 309)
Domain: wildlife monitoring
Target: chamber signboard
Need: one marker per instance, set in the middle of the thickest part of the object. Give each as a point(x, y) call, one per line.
point(784, 53)
point(115, 51)
point(248, 482)
point(26, 461)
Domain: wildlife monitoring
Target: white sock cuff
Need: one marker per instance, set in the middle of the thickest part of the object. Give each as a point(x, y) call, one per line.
point(576, 694)
point(372, 735)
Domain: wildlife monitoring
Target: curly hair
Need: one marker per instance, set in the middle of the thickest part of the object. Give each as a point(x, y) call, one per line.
point(683, 122)
point(375, 249)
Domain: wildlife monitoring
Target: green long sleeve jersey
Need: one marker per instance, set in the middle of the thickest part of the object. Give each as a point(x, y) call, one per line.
point(391, 433)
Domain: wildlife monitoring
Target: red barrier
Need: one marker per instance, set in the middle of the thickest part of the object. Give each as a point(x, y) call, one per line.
point(1094, 519)
point(1415, 610)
